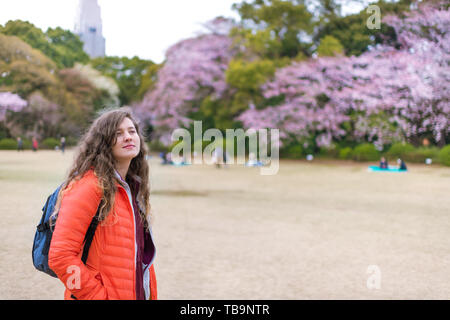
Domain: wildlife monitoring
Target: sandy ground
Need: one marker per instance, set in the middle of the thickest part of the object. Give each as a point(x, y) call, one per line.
point(313, 231)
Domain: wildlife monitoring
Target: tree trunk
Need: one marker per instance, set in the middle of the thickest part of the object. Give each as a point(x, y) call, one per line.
point(441, 143)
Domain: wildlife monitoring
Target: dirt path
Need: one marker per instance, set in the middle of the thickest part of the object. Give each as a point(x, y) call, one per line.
point(309, 232)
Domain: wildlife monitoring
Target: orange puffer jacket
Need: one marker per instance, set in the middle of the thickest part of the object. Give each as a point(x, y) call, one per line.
point(110, 270)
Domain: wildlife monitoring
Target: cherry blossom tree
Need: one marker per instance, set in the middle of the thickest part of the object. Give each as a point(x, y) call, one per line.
point(12, 102)
point(381, 96)
point(194, 69)
point(424, 34)
point(387, 94)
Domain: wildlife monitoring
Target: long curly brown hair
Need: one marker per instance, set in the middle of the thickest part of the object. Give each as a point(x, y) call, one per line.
point(95, 152)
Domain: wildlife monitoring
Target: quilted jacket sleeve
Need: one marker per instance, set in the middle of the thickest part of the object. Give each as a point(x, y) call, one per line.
point(153, 286)
point(78, 207)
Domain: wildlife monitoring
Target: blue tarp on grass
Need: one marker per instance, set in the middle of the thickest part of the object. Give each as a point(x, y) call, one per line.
point(390, 169)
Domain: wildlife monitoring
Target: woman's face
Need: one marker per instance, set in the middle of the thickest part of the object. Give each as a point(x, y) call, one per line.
point(127, 144)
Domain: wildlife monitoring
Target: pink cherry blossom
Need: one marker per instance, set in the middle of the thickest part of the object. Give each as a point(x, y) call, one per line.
point(408, 89)
point(194, 68)
point(12, 102)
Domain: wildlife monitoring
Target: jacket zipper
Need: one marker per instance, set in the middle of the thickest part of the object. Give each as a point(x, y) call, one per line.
point(135, 247)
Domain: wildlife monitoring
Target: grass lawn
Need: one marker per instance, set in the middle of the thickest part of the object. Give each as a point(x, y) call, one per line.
point(312, 231)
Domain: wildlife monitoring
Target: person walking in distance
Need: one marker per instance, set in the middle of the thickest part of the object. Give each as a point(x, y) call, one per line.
point(63, 144)
point(19, 144)
point(34, 144)
point(110, 169)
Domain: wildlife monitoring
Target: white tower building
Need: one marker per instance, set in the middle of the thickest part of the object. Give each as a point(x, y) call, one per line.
point(88, 26)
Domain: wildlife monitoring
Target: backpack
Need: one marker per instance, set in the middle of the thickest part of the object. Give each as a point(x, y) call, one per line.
point(44, 232)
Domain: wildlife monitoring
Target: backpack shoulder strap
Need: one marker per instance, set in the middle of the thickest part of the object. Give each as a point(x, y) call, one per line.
point(90, 234)
point(88, 238)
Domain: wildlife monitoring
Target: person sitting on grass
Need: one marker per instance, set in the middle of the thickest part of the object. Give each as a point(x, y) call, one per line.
point(383, 163)
point(401, 164)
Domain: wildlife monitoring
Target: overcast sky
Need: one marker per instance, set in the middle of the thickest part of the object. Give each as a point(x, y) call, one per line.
point(145, 28)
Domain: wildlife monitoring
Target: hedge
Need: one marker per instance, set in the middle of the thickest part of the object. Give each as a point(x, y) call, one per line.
point(365, 152)
point(444, 156)
point(419, 155)
point(294, 152)
point(50, 143)
point(8, 144)
point(400, 150)
point(345, 153)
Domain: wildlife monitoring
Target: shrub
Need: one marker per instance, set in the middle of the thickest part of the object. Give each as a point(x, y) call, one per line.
point(420, 154)
point(365, 152)
point(50, 143)
point(27, 144)
point(71, 141)
point(400, 150)
point(444, 156)
point(8, 144)
point(293, 151)
point(156, 146)
point(331, 151)
point(345, 153)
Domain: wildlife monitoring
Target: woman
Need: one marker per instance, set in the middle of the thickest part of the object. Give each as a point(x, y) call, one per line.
point(110, 167)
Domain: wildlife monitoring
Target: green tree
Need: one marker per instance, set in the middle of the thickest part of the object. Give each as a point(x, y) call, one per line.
point(289, 22)
point(68, 47)
point(62, 46)
point(148, 80)
point(249, 76)
point(246, 78)
point(24, 69)
point(352, 31)
point(257, 43)
point(59, 101)
point(129, 75)
point(329, 46)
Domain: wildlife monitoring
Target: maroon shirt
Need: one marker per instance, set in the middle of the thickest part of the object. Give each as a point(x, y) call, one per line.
point(145, 250)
